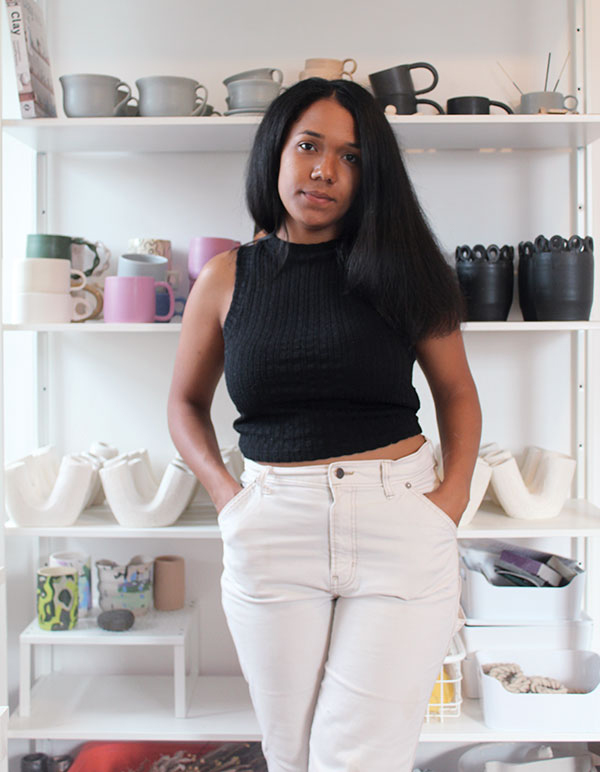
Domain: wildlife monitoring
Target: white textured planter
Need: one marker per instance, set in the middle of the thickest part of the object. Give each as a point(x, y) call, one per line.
point(479, 484)
point(39, 494)
point(536, 491)
point(102, 452)
point(136, 500)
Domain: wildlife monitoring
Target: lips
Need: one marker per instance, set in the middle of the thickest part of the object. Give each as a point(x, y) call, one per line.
point(317, 197)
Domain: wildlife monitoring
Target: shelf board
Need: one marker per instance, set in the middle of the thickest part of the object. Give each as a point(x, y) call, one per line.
point(156, 628)
point(577, 518)
point(124, 707)
point(198, 521)
point(175, 327)
point(418, 132)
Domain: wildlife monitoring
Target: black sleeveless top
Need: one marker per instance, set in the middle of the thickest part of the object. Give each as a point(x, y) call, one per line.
point(314, 370)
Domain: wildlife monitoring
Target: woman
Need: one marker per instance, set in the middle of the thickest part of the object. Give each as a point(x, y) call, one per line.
point(340, 582)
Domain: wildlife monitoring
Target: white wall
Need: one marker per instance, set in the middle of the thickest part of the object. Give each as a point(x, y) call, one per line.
point(115, 390)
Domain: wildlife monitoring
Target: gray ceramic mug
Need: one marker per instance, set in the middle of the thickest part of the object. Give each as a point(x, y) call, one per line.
point(94, 96)
point(252, 92)
point(536, 101)
point(170, 95)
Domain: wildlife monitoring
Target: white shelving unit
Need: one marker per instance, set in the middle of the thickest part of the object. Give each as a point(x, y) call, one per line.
point(176, 629)
point(218, 707)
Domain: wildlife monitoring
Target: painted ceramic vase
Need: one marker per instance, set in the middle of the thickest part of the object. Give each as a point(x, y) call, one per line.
point(57, 597)
point(81, 563)
point(126, 586)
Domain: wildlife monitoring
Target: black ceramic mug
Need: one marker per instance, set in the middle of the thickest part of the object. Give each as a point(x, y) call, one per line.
point(473, 105)
point(486, 278)
point(398, 80)
point(406, 104)
point(34, 762)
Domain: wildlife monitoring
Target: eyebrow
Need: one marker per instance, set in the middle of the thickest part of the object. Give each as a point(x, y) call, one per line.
point(320, 136)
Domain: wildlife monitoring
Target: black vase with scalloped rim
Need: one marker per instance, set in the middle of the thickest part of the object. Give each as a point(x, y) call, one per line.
point(486, 278)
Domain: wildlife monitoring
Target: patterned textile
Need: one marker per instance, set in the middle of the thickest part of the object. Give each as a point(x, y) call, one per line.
point(230, 757)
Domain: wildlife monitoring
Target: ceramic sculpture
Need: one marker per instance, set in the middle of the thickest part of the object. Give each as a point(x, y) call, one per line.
point(42, 490)
point(137, 499)
point(536, 491)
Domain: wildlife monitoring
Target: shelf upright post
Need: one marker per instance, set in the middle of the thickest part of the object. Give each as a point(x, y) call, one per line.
point(3, 608)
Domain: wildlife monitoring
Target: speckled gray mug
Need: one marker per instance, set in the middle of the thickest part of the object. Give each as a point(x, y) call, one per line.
point(170, 95)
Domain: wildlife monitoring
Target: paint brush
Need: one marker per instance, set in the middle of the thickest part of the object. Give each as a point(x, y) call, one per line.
point(547, 72)
point(561, 72)
point(508, 76)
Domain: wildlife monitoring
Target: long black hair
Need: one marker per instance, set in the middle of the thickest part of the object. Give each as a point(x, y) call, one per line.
point(388, 249)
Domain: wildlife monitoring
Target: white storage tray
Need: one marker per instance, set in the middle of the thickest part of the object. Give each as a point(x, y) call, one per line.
point(565, 634)
point(505, 710)
point(487, 602)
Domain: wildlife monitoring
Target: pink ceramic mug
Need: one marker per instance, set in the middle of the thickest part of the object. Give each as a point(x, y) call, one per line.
point(133, 299)
point(202, 248)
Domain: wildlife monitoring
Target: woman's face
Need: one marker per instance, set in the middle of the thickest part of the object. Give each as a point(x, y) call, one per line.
point(319, 172)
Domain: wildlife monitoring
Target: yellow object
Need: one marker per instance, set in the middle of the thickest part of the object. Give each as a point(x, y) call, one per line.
point(442, 694)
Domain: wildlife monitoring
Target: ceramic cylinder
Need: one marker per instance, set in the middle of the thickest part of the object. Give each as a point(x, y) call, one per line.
point(82, 564)
point(57, 597)
point(169, 582)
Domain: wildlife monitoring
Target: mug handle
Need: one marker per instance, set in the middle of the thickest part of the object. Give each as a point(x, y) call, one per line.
point(80, 316)
point(432, 70)
point(351, 72)
point(76, 274)
point(502, 105)
point(171, 310)
point(439, 108)
point(280, 78)
point(202, 103)
point(570, 96)
point(94, 249)
point(125, 99)
point(97, 293)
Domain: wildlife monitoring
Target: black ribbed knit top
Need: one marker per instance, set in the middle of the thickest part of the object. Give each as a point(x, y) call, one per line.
point(314, 371)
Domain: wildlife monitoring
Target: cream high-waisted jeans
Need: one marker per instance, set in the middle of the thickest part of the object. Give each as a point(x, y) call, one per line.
point(341, 591)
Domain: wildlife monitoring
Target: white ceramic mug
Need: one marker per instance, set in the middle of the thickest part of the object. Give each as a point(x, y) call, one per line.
point(51, 308)
point(45, 274)
point(330, 69)
point(170, 95)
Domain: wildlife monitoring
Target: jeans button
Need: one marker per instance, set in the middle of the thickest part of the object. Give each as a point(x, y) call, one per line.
point(339, 472)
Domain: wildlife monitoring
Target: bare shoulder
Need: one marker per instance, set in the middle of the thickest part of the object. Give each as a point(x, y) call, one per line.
point(213, 289)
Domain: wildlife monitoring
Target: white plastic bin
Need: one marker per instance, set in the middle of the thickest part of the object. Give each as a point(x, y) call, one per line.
point(566, 634)
point(546, 713)
point(487, 602)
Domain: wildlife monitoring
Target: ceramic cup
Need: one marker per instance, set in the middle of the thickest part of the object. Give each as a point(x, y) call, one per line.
point(98, 294)
point(133, 299)
point(252, 92)
point(57, 597)
point(51, 308)
point(405, 104)
point(473, 105)
point(151, 246)
point(53, 246)
point(542, 101)
point(330, 69)
point(398, 79)
point(38, 274)
point(202, 248)
point(137, 264)
point(89, 96)
point(261, 73)
point(170, 95)
point(169, 582)
point(81, 563)
point(162, 305)
point(34, 762)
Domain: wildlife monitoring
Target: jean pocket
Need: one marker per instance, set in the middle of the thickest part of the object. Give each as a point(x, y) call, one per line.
point(235, 501)
point(438, 511)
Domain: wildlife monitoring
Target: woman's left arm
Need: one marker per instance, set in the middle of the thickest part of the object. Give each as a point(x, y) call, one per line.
point(444, 363)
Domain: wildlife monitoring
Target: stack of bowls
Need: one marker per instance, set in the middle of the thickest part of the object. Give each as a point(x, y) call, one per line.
point(252, 91)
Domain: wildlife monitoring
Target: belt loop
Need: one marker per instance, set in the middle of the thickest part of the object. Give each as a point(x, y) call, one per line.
point(384, 467)
point(262, 480)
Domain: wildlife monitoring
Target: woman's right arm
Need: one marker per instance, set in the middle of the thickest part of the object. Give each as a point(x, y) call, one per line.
point(198, 368)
